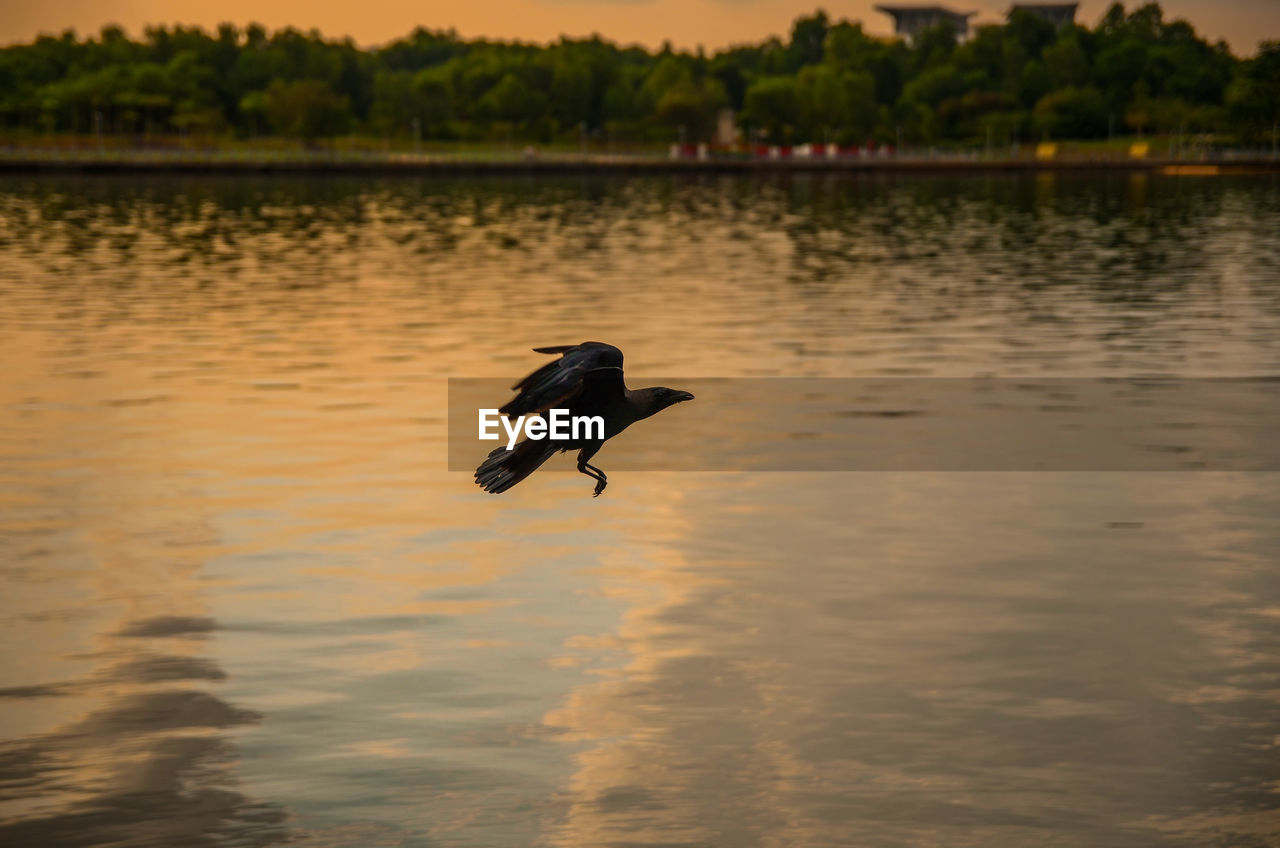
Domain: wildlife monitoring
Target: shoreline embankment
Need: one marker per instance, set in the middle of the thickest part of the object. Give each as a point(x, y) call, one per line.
point(411, 165)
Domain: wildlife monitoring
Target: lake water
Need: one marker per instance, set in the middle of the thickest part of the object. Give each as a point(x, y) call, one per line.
point(245, 602)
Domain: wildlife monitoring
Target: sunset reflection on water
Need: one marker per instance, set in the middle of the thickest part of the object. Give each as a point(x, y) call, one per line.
point(246, 602)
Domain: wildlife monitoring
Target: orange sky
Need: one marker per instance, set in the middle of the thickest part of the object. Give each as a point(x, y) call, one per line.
point(687, 23)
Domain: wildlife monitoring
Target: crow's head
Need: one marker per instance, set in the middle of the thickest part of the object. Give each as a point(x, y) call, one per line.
point(660, 397)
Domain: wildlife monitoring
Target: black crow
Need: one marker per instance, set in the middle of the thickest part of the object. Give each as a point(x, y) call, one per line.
point(587, 381)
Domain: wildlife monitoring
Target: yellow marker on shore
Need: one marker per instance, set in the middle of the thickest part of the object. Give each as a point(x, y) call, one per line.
point(1139, 149)
point(1191, 170)
point(1046, 150)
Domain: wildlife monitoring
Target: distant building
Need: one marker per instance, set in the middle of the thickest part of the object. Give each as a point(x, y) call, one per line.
point(1058, 14)
point(909, 21)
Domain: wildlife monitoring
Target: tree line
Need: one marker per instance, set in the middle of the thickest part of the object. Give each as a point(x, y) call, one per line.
point(1134, 72)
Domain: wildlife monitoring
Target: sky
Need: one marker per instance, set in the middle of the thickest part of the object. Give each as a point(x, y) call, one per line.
point(686, 23)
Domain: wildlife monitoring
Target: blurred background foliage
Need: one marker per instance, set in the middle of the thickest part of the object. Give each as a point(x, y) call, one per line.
point(1133, 73)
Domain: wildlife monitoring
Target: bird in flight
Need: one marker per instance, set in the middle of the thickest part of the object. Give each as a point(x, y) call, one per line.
point(587, 381)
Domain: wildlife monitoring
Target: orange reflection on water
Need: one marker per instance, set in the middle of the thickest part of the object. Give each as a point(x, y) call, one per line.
point(248, 602)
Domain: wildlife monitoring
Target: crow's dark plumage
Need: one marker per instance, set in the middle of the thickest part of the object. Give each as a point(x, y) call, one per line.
point(587, 381)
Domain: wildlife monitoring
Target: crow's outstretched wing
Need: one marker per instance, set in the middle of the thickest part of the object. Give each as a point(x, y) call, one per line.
point(593, 367)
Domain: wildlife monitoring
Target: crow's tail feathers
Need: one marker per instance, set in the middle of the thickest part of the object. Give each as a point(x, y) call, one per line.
point(504, 468)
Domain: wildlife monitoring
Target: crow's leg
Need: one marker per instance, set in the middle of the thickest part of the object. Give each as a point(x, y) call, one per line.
point(604, 480)
point(591, 471)
point(595, 474)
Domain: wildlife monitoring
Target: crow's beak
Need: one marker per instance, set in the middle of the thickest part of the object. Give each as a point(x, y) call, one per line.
point(681, 397)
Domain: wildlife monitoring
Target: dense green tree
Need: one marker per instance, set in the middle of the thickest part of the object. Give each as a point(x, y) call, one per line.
point(394, 101)
point(983, 53)
point(859, 89)
point(1066, 62)
point(935, 85)
point(1071, 113)
point(433, 101)
point(970, 116)
point(848, 47)
point(253, 110)
point(734, 70)
point(572, 88)
point(934, 46)
point(1030, 32)
point(511, 101)
point(307, 109)
point(771, 107)
point(828, 79)
point(1254, 95)
point(822, 105)
point(808, 37)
